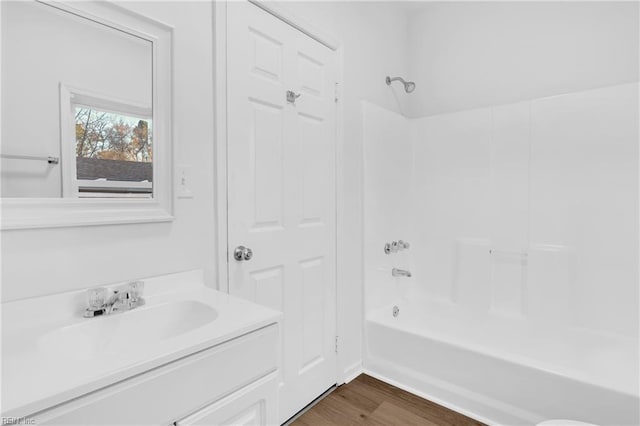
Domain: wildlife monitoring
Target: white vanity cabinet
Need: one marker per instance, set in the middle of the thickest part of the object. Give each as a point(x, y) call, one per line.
point(234, 382)
point(255, 404)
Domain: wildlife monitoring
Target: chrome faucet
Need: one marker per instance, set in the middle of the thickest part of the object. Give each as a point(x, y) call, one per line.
point(121, 299)
point(117, 302)
point(400, 273)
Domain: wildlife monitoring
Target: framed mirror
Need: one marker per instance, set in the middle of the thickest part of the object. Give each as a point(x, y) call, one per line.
point(86, 115)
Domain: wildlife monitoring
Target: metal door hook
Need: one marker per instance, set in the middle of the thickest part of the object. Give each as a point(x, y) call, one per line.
point(292, 96)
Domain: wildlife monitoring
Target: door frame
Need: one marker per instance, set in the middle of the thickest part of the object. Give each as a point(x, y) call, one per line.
point(343, 371)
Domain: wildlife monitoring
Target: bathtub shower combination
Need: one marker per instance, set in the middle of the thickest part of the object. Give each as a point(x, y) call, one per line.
point(521, 302)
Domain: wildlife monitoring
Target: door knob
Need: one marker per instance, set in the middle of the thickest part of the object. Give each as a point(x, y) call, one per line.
point(242, 253)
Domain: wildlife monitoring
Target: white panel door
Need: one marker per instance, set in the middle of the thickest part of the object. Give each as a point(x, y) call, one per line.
point(281, 195)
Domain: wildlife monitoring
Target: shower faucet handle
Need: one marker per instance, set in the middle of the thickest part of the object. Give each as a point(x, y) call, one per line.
point(403, 245)
point(136, 290)
point(395, 246)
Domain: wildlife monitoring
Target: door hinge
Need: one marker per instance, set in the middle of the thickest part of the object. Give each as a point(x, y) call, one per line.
point(335, 92)
point(336, 344)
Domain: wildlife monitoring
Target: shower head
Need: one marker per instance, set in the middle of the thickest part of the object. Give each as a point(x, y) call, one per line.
point(409, 86)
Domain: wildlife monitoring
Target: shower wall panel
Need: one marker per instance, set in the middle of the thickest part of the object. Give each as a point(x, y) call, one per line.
point(387, 200)
point(529, 210)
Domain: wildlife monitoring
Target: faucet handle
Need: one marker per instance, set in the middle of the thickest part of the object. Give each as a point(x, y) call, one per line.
point(136, 289)
point(96, 301)
point(96, 297)
point(403, 245)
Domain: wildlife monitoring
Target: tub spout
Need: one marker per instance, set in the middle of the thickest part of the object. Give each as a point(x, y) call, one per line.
point(400, 273)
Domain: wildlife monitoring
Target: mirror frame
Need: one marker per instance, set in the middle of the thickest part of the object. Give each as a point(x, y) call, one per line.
point(27, 213)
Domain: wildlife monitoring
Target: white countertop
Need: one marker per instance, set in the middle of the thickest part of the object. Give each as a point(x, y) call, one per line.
point(33, 379)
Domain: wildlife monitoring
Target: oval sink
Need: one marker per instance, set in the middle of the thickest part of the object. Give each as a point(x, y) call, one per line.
point(98, 337)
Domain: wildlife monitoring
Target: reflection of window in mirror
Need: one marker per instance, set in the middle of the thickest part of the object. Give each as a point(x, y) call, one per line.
point(108, 148)
point(113, 153)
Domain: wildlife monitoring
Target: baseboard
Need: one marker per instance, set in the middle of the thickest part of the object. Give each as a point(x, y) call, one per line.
point(352, 372)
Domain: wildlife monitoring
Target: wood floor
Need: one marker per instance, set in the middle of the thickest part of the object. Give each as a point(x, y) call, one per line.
point(368, 401)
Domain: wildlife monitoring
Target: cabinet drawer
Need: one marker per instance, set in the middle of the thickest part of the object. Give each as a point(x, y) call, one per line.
point(173, 391)
point(254, 405)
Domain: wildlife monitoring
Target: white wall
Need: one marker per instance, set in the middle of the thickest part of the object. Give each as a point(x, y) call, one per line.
point(37, 262)
point(373, 38)
point(466, 55)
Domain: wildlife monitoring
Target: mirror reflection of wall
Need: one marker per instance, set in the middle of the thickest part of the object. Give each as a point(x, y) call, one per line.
point(60, 69)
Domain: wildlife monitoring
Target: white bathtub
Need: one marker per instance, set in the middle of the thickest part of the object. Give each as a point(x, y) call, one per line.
point(501, 371)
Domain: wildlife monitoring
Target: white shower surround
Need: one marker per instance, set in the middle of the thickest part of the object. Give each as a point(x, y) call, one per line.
point(548, 326)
